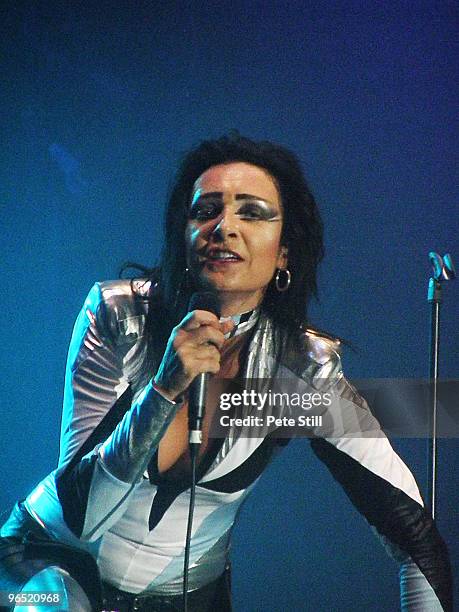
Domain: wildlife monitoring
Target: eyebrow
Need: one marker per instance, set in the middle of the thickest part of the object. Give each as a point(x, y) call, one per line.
point(239, 196)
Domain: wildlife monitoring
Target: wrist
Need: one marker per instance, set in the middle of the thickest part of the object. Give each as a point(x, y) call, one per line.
point(167, 395)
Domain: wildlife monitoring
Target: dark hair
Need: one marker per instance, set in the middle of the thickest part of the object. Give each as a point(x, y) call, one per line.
point(302, 233)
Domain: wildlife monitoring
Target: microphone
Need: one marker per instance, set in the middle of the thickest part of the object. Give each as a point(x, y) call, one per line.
point(205, 300)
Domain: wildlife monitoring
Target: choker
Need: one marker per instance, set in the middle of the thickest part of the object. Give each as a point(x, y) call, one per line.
point(242, 322)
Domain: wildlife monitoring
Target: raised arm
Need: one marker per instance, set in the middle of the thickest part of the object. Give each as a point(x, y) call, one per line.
point(106, 442)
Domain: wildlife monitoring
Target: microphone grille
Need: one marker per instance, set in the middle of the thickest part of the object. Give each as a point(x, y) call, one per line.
point(205, 300)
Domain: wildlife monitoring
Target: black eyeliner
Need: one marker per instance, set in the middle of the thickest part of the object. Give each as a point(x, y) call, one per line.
point(263, 209)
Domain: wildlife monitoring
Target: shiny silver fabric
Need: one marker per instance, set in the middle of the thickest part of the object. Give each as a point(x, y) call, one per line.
point(128, 450)
point(112, 324)
point(55, 580)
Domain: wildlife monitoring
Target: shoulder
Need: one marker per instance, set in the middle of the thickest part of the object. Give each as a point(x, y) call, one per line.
point(120, 293)
point(321, 347)
point(124, 289)
point(119, 306)
point(322, 366)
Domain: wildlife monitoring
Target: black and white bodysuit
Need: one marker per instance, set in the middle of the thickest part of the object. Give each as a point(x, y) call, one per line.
point(107, 497)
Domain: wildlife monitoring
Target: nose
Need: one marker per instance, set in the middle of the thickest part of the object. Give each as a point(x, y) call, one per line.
point(227, 226)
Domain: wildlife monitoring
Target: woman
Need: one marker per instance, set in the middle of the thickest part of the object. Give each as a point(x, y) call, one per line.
point(242, 222)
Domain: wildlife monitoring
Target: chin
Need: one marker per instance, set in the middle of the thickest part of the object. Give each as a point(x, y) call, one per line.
point(219, 284)
point(222, 283)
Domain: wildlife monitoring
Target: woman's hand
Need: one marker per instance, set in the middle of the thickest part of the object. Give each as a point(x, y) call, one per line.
point(193, 347)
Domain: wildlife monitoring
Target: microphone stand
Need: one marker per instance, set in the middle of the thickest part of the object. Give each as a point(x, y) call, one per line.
point(443, 270)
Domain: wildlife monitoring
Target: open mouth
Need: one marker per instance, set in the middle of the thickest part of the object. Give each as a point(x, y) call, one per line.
point(222, 256)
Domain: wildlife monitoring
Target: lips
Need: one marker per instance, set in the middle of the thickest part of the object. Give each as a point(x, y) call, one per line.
point(222, 255)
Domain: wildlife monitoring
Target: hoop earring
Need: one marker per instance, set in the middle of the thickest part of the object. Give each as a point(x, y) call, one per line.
point(288, 280)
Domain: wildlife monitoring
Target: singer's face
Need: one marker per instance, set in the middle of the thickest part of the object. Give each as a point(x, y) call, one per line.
point(233, 233)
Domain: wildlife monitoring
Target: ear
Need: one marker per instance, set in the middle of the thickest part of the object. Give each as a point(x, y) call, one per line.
point(282, 258)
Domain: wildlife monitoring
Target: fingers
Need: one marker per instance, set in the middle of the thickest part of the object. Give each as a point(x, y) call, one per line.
point(207, 335)
point(196, 318)
point(202, 327)
point(195, 360)
point(203, 364)
point(193, 348)
point(227, 326)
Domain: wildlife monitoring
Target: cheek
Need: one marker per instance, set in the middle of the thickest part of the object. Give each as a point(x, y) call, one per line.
point(192, 235)
point(198, 232)
point(266, 248)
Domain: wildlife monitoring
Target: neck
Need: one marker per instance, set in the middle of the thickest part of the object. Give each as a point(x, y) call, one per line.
point(234, 304)
point(242, 322)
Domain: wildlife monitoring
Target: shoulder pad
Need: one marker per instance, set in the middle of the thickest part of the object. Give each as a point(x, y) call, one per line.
point(321, 348)
point(123, 306)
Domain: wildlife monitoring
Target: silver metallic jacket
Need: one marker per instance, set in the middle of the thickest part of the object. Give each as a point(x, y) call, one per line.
point(107, 497)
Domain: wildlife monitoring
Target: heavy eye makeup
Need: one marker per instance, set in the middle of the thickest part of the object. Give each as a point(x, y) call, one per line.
point(204, 209)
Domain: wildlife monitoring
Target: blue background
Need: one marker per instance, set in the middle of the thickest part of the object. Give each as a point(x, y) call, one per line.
point(100, 100)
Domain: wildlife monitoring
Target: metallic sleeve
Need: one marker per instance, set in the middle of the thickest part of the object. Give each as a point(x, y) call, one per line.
point(128, 450)
point(102, 460)
point(383, 490)
point(119, 463)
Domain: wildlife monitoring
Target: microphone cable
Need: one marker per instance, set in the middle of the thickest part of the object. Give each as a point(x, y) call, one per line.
point(207, 300)
point(193, 456)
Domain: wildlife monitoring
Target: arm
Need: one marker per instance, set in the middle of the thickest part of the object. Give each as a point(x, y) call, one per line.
point(383, 489)
point(107, 443)
point(102, 460)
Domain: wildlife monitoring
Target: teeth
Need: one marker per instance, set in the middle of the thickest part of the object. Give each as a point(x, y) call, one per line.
point(222, 255)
